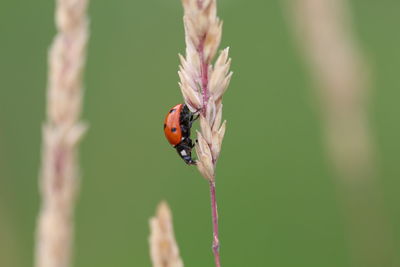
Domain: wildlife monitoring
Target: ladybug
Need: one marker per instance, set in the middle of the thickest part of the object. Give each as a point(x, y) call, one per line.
point(177, 126)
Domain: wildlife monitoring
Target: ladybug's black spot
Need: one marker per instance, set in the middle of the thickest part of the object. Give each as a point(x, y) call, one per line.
point(165, 125)
point(173, 130)
point(172, 110)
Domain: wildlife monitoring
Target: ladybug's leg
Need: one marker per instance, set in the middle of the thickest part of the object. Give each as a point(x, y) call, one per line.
point(194, 118)
point(197, 114)
point(184, 150)
point(189, 143)
point(194, 144)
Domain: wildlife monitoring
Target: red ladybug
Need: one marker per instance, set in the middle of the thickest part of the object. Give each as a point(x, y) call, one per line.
point(177, 126)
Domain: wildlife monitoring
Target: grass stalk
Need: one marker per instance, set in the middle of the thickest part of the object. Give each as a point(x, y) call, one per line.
point(214, 212)
point(325, 33)
point(203, 84)
point(59, 179)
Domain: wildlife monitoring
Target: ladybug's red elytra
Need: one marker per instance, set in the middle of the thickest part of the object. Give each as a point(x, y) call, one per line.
point(177, 125)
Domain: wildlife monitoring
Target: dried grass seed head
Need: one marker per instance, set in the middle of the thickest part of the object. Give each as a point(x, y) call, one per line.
point(202, 84)
point(164, 250)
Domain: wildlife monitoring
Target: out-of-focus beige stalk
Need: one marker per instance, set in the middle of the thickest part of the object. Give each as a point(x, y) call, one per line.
point(164, 250)
point(203, 85)
point(324, 30)
point(59, 178)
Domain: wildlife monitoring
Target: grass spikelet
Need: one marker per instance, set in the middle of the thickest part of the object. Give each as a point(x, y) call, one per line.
point(164, 251)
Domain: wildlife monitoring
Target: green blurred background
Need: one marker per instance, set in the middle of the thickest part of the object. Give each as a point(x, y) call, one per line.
point(278, 204)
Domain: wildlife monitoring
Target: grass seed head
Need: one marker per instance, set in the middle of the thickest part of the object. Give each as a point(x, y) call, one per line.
point(203, 84)
point(164, 250)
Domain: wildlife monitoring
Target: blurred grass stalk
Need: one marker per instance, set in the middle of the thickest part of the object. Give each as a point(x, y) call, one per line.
point(61, 133)
point(324, 31)
point(164, 251)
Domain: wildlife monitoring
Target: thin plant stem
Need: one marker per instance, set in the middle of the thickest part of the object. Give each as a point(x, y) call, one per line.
point(214, 214)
